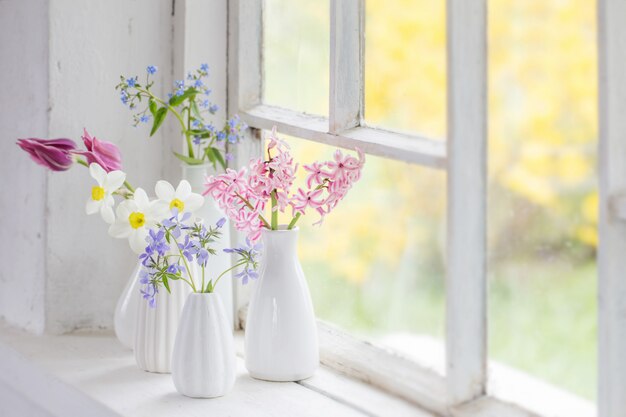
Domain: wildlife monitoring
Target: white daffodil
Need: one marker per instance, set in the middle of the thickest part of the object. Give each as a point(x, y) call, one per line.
point(135, 217)
point(182, 198)
point(102, 194)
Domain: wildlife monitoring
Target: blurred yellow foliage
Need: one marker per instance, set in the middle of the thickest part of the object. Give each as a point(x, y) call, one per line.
point(542, 94)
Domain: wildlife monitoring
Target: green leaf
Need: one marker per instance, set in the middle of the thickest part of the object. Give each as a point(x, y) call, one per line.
point(166, 284)
point(200, 133)
point(195, 110)
point(158, 119)
point(188, 160)
point(209, 153)
point(177, 100)
point(218, 156)
point(153, 107)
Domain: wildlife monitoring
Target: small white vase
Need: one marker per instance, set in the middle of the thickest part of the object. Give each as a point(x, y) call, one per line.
point(125, 315)
point(281, 331)
point(203, 363)
point(157, 326)
point(210, 213)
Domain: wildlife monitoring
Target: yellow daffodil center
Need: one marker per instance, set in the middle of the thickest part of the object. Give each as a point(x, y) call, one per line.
point(178, 204)
point(136, 219)
point(97, 193)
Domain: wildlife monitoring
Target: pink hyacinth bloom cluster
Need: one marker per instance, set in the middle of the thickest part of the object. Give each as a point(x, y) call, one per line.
point(245, 194)
point(328, 183)
point(235, 196)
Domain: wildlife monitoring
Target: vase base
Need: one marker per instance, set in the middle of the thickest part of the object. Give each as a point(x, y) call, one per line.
point(281, 378)
point(203, 396)
point(157, 371)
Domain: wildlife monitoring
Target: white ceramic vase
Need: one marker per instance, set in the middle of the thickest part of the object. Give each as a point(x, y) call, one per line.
point(203, 363)
point(281, 332)
point(125, 315)
point(211, 213)
point(156, 328)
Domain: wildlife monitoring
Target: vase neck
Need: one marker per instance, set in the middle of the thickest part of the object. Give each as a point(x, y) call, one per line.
point(196, 175)
point(280, 243)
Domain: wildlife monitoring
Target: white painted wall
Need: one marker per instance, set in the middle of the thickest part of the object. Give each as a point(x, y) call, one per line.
point(23, 111)
point(59, 63)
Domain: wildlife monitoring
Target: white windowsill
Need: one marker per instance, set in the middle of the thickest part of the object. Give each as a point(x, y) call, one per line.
point(90, 373)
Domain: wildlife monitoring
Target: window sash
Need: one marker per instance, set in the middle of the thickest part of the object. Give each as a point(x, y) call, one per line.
point(612, 228)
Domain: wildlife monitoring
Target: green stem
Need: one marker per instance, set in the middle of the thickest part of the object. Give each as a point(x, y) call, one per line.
point(202, 278)
point(251, 207)
point(187, 137)
point(293, 221)
point(274, 210)
point(129, 187)
point(187, 281)
point(193, 287)
point(175, 113)
point(228, 270)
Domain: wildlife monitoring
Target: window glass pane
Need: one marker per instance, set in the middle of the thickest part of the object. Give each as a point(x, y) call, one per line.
point(543, 189)
point(296, 54)
point(375, 266)
point(405, 65)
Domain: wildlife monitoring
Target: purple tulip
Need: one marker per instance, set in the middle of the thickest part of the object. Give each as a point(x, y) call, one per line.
point(54, 154)
point(103, 153)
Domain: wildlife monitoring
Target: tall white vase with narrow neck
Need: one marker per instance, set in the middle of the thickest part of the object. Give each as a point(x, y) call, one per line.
point(125, 316)
point(203, 363)
point(157, 326)
point(211, 213)
point(281, 332)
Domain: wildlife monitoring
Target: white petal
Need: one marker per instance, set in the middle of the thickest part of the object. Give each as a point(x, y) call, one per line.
point(120, 229)
point(157, 211)
point(183, 190)
point(194, 202)
point(109, 200)
point(141, 198)
point(125, 208)
point(137, 240)
point(164, 191)
point(92, 206)
point(97, 173)
point(114, 180)
point(107, 213)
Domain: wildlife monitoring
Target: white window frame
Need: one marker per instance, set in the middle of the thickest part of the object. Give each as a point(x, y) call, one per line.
point(463, 390)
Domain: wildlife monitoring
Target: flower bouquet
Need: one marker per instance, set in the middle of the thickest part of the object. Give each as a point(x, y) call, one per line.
point(179, 249)
point(252, 197)
point(175, 246)
point(207, 146)
point(189, 104)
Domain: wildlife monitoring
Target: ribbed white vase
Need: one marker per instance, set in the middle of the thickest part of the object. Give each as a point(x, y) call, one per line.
point(211, 213)
point(203, 363)
point(125, 315)
point(281, 331)
point(156, 328)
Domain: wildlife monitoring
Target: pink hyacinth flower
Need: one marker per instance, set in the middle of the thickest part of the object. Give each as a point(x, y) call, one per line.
point(304, 199)
point(276, 142)
point(54, 154)
point(316, 174)
point(103, 153)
